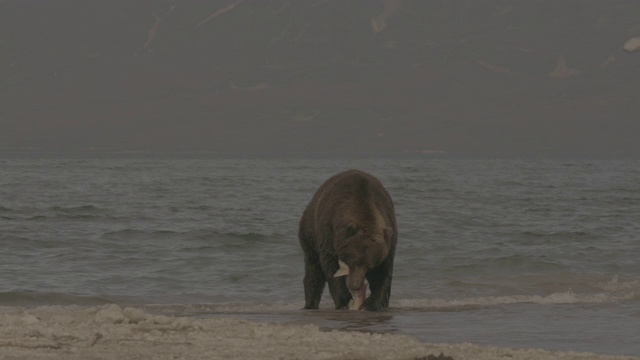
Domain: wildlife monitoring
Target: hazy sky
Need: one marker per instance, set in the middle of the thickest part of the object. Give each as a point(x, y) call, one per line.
point(496, 78)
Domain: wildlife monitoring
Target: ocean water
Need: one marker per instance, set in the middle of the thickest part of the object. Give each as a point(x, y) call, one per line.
point(519, 253)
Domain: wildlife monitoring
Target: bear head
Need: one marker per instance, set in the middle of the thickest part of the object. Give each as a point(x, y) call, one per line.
point(360, 250)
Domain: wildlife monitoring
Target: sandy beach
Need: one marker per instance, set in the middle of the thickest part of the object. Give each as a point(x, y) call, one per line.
point(113, 332)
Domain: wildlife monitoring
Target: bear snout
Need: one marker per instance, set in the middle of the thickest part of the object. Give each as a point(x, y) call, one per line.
point(356, 278)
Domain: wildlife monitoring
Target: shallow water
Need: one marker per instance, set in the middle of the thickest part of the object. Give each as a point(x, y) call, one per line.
point(523, 253)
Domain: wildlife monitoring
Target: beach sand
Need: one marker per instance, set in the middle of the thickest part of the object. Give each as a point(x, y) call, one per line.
point(113, 332)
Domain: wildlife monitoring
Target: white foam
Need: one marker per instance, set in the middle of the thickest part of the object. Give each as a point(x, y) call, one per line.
point(227, 308)
point(111, 332)
point(617, 285)
point(568, 297)
point(632, 45)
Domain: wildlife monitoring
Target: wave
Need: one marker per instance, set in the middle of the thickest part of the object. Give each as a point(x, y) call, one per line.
point(196, 239)
point(561, 234)
point(227, 308)
point(406, 304)
point(36, 298)
point(560, 298)
point(592, 289)
point(516, 261)
point(129, 233)
point(244, 235)
point(538, 237)
point(75, 209)
point(83, 212)
point(611, 291)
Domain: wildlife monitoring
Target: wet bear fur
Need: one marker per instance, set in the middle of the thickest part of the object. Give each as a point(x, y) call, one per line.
point(350, 218)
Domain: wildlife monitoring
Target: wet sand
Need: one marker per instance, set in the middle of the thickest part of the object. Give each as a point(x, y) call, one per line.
point(113, 332)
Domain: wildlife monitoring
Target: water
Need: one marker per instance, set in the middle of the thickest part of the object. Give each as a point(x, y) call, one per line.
point(502, 252)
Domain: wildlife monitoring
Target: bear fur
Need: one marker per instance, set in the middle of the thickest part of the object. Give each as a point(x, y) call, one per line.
point(350, 218)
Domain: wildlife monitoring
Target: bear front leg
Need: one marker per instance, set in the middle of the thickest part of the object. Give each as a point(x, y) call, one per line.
point(339, 292)
point(380, 286)
point(314, 280)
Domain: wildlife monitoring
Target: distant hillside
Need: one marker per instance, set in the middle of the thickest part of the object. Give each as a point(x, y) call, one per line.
point(320, 77)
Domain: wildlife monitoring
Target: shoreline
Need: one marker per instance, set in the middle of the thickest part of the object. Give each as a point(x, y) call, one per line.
point(114, 332)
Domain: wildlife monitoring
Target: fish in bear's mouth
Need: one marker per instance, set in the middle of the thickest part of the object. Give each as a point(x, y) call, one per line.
point(358, 296)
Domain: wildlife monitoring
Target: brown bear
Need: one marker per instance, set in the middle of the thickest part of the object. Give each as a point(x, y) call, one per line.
point(349, 228)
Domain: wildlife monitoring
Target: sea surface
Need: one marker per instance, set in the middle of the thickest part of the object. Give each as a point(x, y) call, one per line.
point(519, 253)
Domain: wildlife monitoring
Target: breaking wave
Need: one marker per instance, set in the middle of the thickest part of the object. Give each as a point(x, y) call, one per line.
point(36, 298)
point(568, 297)
point(600, 291)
